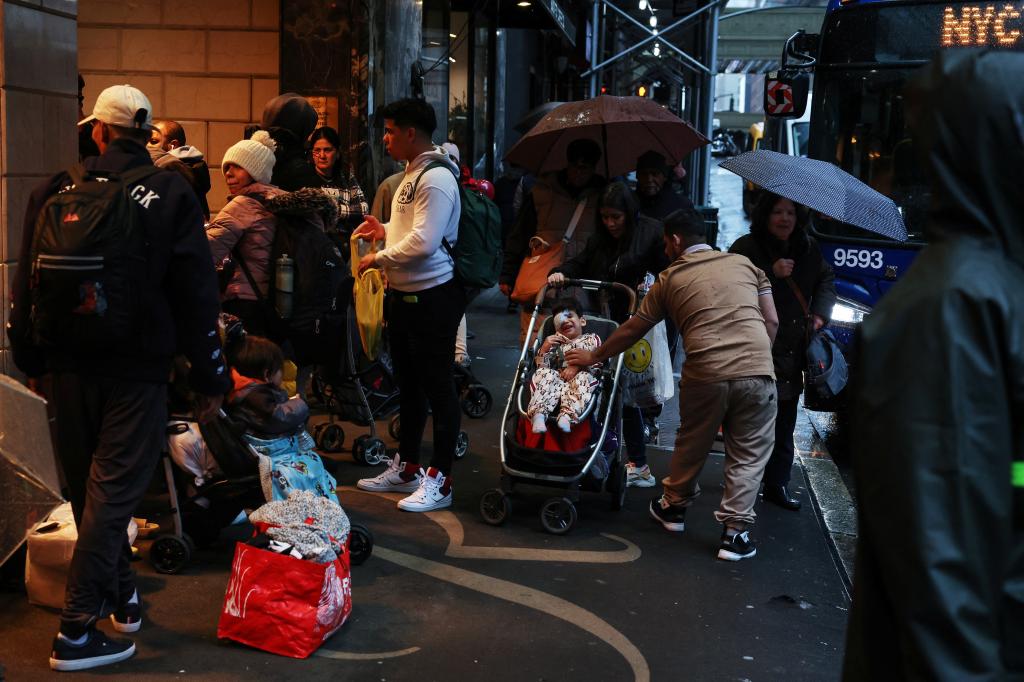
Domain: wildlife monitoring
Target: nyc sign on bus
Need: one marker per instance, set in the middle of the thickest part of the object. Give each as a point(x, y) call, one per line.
point(981, 25)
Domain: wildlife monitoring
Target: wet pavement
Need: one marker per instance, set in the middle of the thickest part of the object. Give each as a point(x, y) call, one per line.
point(445, 596)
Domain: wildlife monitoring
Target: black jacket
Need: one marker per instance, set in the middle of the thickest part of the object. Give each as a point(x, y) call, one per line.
point(816, 281)
point(290, 120)
point(624, 260)
point(180, 295)
point(938, 421)
point(664, 202)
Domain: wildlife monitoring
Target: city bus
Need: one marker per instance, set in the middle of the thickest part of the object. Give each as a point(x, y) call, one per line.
point(861, 62)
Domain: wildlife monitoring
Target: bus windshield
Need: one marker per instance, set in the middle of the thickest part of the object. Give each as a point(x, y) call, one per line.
point(860, 125)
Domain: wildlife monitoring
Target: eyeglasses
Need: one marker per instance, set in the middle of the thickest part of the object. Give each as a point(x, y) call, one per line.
point(323, 151)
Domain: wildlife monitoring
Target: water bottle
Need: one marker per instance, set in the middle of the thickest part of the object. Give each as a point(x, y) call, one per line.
point(285, 285)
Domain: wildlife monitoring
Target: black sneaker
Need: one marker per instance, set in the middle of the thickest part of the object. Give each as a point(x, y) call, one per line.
point(671, 516)
point(98, 650)
point(736, 548)
point(128, 618)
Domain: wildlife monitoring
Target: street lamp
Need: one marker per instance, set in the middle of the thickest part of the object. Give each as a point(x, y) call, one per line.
point(654, 21)
point(643, 5)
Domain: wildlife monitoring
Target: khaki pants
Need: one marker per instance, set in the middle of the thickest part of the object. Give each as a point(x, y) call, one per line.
point(745, 408)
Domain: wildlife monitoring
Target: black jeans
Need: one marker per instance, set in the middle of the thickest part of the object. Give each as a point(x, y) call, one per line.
point(110, 433)
point(421, 330)
point(779, 466)
point(633, 436)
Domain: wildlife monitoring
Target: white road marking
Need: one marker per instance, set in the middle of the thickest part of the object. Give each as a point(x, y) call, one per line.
point(350, 656)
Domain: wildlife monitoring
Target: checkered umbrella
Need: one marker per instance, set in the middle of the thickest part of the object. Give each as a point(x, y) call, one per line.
point(823, 187)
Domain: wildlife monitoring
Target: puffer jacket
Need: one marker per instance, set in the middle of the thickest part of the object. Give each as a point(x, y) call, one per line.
point(246, 223)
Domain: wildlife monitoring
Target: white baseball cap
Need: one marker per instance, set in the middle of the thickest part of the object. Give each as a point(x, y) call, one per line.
point(124, 106)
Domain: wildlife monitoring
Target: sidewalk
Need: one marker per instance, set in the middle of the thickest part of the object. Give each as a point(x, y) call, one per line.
point(445, 596)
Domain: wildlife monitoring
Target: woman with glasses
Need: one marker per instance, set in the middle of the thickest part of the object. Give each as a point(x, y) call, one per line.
point(336, 179)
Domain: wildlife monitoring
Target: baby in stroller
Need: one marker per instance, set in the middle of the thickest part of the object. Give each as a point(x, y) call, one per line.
point(556, 384)
point(275, 423)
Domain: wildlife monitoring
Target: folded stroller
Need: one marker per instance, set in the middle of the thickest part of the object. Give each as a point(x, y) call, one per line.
point(590, 458)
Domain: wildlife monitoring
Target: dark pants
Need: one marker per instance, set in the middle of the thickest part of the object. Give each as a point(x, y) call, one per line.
point(421, 328)
point(110, 434)
point(778, 469)
point(633, 435)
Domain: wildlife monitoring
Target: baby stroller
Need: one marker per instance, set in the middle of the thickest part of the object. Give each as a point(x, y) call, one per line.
point(355, 389)
point(232, 486)
point(594, 461)
point(359, 390)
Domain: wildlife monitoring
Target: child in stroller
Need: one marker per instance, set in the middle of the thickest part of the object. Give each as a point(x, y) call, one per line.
point(556, 384)
point(275, 423)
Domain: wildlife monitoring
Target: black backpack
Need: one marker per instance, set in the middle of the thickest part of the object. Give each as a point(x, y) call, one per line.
point(827, 372)
point(317, 274)
point(89, 259)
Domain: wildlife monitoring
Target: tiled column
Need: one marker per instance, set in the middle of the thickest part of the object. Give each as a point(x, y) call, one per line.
point(38, 112)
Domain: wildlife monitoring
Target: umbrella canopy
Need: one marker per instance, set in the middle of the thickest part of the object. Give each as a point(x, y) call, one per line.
point(823, 187)
point(624, 128)
point(532, 117)
point(29, 487)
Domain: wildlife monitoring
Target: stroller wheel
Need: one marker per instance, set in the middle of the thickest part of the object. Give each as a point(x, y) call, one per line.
point(360, 544)
point(329, 437)
point(369, 451)
point(558, 515)
point(495, 507)
point(170, 554)
point(477, 402)
point(395, 427)
point(461, 445)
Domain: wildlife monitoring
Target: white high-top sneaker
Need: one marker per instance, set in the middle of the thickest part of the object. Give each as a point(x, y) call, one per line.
point(397, 478)
point(435, 492)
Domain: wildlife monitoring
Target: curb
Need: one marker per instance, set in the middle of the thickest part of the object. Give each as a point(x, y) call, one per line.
point(833, 503)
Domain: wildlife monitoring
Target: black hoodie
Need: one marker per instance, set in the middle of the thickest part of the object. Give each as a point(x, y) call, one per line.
point(939, 402)
point(290, 120)
point(180, 295)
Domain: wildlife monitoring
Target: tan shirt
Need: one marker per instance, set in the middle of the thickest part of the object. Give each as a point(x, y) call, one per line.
point(712, 298)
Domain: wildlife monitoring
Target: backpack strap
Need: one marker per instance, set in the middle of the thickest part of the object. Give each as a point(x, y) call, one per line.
point(416, 183)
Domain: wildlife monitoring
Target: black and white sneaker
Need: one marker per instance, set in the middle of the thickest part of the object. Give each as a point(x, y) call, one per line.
point(736, 548)
point(128, 618)
point(672, 516)
point(97, 650)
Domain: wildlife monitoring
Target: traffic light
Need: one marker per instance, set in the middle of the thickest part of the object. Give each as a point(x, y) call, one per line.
point(642, 91)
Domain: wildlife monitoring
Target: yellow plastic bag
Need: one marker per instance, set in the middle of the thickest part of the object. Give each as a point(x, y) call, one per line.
point(368, 294)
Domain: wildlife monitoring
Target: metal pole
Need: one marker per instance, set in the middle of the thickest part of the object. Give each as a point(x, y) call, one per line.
point(492, 89)
point(595, 29)
point(709, 99)
point(674, 25)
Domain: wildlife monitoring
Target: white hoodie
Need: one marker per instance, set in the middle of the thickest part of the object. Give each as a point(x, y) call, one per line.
point(413, 258)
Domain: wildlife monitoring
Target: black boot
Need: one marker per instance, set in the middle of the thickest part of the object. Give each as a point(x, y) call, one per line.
point(778, 494)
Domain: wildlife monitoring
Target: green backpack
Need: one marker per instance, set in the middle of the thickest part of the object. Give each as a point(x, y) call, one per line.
point(477, 252)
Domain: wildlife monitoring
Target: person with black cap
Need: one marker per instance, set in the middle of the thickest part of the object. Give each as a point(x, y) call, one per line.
point(722, 304)
point(654, 193)
point(108, 386)
point(291, 119)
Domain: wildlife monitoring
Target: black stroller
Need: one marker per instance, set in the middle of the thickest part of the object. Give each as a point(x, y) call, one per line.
point(598, 466)
point(359, 390)
point(199, 516)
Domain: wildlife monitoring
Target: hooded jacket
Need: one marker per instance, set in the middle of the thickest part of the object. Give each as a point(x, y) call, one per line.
point(194, 161)
point(816, 281)
point(290, 120)
point(938, 423)
point(179, 296)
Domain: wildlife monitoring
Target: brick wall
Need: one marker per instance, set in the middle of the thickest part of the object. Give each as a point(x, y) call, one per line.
point(209, 65)
point(38, 110)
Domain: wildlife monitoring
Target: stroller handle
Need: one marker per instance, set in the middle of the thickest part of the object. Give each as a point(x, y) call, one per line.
point(592, 285)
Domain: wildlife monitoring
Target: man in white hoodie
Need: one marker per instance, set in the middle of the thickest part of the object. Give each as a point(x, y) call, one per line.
point(425, 303)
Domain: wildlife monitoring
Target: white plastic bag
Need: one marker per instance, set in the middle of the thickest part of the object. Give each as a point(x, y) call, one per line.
point(647, 370)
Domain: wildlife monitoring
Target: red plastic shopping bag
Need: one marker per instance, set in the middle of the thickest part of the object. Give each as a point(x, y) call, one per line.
point(284, 605)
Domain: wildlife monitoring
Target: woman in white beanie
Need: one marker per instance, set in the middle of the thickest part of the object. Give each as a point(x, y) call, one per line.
point(244, 229)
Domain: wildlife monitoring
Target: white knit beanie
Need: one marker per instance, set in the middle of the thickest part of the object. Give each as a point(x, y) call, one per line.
point(255, 156)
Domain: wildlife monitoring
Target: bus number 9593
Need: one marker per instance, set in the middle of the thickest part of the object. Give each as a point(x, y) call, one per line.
point(858, 258)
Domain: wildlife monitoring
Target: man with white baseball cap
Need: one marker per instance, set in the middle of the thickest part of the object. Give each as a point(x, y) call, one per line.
point(122, 106)
point(110, 402)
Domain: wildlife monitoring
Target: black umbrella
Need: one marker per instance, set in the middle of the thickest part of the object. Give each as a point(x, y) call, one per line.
point(823, 187)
